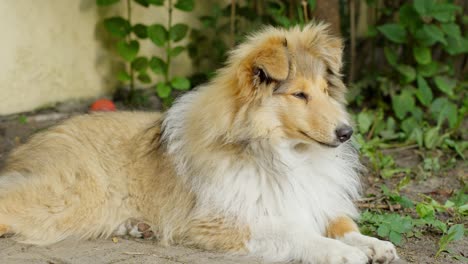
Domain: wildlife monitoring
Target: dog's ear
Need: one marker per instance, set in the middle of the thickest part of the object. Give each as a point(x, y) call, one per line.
point(329, 49)
point(267, 63)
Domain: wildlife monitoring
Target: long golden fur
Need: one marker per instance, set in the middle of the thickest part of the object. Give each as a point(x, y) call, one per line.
point(256, 161)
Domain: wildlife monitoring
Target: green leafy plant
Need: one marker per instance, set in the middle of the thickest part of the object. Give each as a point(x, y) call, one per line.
point(421, 41)
point(129, 36)
point(389, 226)
point(229, 23)
point(430, 216)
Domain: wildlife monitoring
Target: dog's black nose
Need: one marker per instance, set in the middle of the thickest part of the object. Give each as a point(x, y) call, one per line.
point(343, 133)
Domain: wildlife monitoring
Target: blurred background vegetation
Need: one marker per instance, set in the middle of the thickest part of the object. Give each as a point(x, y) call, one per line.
point(406, 66)
point(405, 60)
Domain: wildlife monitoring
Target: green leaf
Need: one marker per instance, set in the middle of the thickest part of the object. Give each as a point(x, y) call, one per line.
point(106, 2)
point(428, 70)
point(178, 32)
point(383, 230)
point(464, 208)
point(444, 12)
point(128, 50)
point(157, 34)
point(406, 202)
point(417, 135)
point(180, 83)
point(422, 54)
point(456, 45)
point(451, 29)
point(163, 90)
point(283, 21)
point(157, 65)
point(457, 231)
point(395, 237)
point(424, 93)
point(442, 109)
point(423, 7)
point(117, 26)
point(425, 210)
point(176, 51)
point(185, 5)
point(431, 138)
point(439, 225)
point(407, 15)
point(402, 226)
point(445, 84)
point(391, 56)
point(140, 64)
point(156, 2)
point(409, 124)
point(393, 32)
point(449, 112)
point(364, 121)
point(144, 78)
point(408, 72)
point(403, 103)
point(123, 76)
point(140, 31)
point(430, 34)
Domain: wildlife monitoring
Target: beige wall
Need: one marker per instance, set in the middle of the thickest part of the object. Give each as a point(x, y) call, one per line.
point(54, 50)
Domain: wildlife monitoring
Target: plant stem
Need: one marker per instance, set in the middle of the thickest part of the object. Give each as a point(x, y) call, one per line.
point(129, 38)
point(352, 21)
point(168, 45)
point(233, 23)
point(304, 8)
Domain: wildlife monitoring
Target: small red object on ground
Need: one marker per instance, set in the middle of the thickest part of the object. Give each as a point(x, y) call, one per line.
point(103, 105)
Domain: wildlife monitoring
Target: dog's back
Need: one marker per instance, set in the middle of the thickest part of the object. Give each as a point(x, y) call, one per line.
point(79, 169)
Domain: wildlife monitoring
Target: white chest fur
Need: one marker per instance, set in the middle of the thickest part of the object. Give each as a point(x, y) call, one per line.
point(284, 185)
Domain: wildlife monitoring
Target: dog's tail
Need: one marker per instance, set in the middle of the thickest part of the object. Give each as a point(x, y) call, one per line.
point(37, 211)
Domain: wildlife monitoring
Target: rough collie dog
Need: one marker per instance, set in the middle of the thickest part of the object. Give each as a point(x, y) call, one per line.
point(257, 161)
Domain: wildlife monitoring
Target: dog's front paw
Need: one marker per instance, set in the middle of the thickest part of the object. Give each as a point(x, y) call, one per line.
point(347, 255)
point(379, 251)
point(338, 253)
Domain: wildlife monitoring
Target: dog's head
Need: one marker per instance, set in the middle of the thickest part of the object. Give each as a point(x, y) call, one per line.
point(290, 80)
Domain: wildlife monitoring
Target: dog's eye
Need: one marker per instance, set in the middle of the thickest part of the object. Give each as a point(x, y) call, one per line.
point(301, 95)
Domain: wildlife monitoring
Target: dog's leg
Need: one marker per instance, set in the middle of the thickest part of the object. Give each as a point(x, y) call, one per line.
point(215, 233)
point(345, 229)
point(292, 241)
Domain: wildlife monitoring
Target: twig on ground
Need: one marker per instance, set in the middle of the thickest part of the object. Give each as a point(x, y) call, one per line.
point(397, 149)
point(367, 199)
point(379, 206)
point(133, 253)
point(390, 206)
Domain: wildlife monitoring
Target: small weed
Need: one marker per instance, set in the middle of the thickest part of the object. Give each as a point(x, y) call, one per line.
point(22, 119)
point(429, 216)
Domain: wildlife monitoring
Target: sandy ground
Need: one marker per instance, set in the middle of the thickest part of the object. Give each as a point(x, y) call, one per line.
point(107, 251)
point(14, 131)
